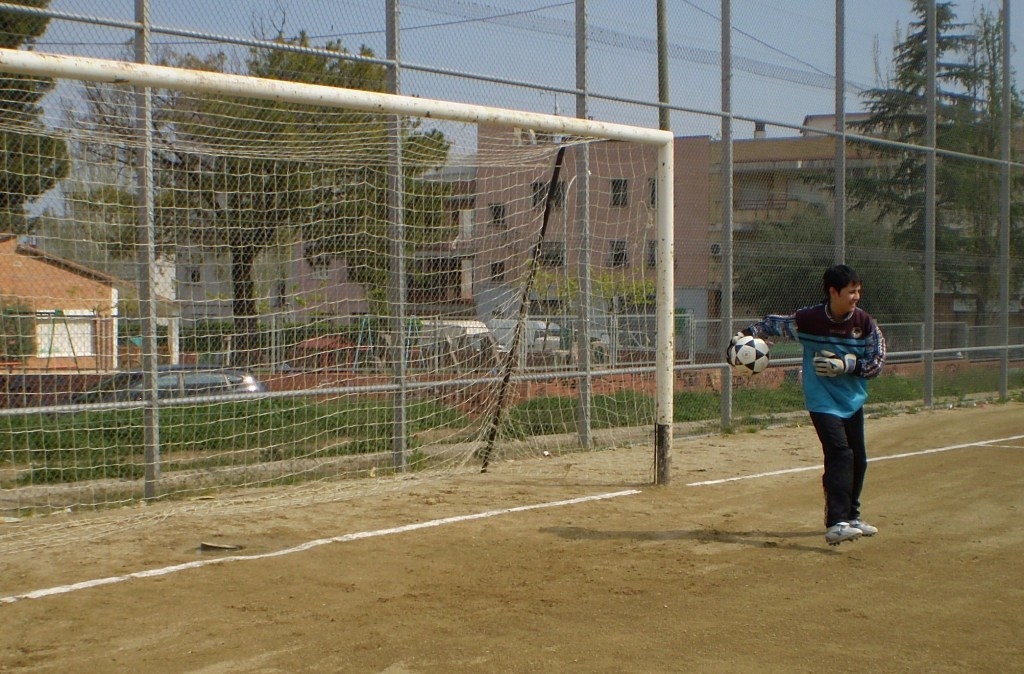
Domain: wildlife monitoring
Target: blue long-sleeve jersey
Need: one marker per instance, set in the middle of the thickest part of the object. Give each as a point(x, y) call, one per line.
point(816, 330)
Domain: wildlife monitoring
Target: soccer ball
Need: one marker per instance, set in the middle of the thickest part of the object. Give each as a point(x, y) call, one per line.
point(749, 355)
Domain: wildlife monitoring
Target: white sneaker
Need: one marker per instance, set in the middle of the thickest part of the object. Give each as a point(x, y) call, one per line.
point(865, 528)
point(841, 531)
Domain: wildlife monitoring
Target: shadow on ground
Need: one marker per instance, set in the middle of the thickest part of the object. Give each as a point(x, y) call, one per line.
point(756, 539)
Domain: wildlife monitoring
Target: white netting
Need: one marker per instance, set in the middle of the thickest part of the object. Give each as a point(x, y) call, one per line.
point(319, 314)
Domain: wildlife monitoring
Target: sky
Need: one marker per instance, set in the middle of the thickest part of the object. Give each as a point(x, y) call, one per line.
point(783, 52)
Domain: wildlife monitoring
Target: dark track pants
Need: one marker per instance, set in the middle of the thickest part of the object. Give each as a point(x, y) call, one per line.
point(846, 461)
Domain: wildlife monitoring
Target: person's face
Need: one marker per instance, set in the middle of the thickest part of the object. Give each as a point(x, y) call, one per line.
point(844, 300)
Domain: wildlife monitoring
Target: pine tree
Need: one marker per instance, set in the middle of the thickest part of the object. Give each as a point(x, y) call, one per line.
point(969, 82)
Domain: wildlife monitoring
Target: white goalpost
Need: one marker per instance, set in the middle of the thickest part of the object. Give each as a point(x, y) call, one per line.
point(351, 252)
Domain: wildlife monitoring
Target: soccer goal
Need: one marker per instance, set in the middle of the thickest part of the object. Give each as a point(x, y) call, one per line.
point(235, 281)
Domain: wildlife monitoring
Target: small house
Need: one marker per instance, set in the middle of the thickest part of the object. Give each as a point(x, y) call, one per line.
point(55, 314)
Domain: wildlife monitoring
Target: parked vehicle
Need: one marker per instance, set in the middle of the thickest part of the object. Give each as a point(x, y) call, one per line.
point(538, 336)
point(459, 343)
point(172, 381)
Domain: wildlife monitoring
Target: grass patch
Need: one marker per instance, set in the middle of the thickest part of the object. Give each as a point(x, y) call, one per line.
point(110, 444)
point(89, 445)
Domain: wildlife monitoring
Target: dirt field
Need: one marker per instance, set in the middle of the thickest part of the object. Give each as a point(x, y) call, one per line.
point(727, 577)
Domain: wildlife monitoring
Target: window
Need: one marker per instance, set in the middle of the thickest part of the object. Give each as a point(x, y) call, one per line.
point(280, 297)
point(652, 192)
point(497, 271)
point(467, 218)
point(321, 266)
point(499, 215)
point(133, 387)
point(552, 254)
point(652, 254)
point(166, 383)
point(205, 383)
point(754, 193)
point(618, 254)
point(560, 194)
point(540, 194)
point(620, 192)
point(64, 334)
point(195, 274)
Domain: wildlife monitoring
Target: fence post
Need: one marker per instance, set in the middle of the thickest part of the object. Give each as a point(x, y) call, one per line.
point(583, 424)
point(396, 212)
point(1004, 210)
point(929, 213)
point(725, 325)
point(146, 256)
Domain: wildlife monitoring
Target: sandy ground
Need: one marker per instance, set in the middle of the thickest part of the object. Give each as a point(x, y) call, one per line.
point(732, 576)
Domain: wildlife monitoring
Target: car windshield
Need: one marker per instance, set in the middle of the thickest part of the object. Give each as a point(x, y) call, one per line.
point(172, 382)
point(118, 382)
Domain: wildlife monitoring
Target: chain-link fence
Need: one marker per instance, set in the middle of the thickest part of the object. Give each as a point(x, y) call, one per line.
point(170, 255)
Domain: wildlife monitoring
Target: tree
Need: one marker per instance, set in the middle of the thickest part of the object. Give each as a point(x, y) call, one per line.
point(243, 175)
point(17, 330)
point(969, 81)
point(33, 161)
point(790, 257)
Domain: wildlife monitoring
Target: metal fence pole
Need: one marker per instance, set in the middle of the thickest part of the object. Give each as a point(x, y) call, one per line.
point(664, 114)
point(146, 257)
point(584, 403)
point(396, 219)
point(929, 212)
point(839, 253)
point(1004, 211)
point(725, 328)
point(663, 427)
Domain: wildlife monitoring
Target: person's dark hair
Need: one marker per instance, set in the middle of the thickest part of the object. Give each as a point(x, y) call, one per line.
point(838, 276)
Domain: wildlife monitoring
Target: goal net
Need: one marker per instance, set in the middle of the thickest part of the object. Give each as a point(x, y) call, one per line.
point(213, 281)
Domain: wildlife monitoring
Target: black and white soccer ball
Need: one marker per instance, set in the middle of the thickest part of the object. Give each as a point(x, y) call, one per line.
point(748, 355)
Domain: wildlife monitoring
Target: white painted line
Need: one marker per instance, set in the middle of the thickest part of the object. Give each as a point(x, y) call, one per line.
point(152, 573)
point(982, 443)
point(1012, 437)
point(935, 450)
point(752, 476)
point(309, 545)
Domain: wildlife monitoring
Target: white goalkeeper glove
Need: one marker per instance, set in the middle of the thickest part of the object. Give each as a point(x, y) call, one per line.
point(828, 364)
point(732, 342)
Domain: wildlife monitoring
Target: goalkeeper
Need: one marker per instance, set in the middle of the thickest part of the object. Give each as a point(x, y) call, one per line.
point(842, 348)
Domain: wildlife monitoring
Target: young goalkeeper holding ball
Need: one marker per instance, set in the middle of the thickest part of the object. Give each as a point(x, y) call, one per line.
point(842, 348)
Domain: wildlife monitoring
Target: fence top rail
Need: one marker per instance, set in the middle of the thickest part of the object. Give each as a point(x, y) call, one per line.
point(146, 75)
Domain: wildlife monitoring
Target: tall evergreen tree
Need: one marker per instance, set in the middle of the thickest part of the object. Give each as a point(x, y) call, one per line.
point(969, 81)
point(32, 162)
